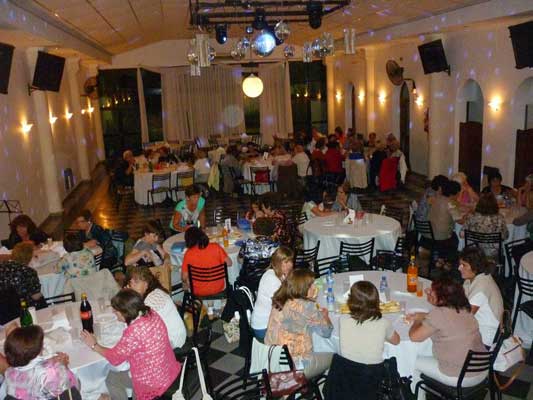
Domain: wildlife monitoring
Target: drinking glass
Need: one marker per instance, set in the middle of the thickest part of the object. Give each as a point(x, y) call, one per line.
point(420, 288)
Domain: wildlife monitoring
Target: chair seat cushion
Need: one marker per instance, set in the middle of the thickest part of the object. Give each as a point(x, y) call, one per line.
point(451, 391)
point(527, 307)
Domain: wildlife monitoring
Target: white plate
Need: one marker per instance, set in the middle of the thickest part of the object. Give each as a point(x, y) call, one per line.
point(416, 310)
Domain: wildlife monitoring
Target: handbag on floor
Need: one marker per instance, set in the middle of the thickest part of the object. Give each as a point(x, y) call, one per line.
point(394, 387)
point(287, 382)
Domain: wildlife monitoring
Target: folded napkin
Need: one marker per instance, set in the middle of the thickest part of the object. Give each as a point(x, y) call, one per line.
point(350, 218)
point(60, 320)
point(59, 336)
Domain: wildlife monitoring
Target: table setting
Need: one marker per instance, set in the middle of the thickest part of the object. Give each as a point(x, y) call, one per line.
point(333, 229)
point(62, 327)
point(396, 303)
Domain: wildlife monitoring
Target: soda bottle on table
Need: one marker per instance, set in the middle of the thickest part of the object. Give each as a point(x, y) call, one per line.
point(225, 237)
point(86, 314)
point(412, 276)
point(25, 316)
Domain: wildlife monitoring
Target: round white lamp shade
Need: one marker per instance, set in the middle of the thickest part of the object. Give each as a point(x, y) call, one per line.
point(252, 86)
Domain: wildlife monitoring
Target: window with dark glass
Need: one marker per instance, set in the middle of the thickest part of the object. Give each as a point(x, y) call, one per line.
point(152, 101)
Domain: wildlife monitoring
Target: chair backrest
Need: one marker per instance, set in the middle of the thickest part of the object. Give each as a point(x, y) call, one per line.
point(515, 250)
point(424, 228)
point(98, 260)
point(205, 275)
point(252, 270)
point(323, 265)
point(260, 174)
point(184, 179)
point(397, 213)
point(246, 387)
point(60, 299)
point(476, 362)
point(358, 249)
point(302, 219)
point(158, 178)
point(525, 285)
point(482, 239)
point(118, 239)
point(306, 258)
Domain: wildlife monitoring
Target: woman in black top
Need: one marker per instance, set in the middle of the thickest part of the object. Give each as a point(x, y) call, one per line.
point(23, 229)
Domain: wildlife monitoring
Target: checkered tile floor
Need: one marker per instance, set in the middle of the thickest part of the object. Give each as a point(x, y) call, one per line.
point(225, 360)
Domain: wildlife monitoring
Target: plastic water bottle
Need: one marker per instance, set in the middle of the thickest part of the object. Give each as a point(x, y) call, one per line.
point(330, 298)
point(330, 280)
point(383, 285)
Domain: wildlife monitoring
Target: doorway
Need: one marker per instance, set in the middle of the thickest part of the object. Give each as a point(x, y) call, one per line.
point(471, 134)
point(405, 121)
point(523, 124)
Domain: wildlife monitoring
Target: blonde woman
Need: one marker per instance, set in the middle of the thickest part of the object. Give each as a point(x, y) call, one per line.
point(281, 264)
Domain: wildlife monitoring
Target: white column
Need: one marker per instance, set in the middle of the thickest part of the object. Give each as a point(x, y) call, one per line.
point(330, 76)
point(142, 108)
point(46, 143)
point(72, 68)
point(97, 119)
point(370, 90)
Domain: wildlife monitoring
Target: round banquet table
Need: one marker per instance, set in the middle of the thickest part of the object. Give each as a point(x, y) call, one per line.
point(89, 367)
point(176, 257)
point(330, 232)
point(406, 352)
point(524, 324)
point(143, 183)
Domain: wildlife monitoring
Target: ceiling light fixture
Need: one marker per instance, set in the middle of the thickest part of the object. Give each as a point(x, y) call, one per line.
point(252, 86)
point(315, 9)
point(26, 127)
point(68, 115)
point(259, 22)
point(264, 43)
point(221, 33)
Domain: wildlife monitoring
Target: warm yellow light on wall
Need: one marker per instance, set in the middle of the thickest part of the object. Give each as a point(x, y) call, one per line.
point(361, 96)
point(496, 103)
point(382, 98)
point(338, 95)
point(419, 101)
point(319, 96)
point(52, 119)
point(90, 109)
point(83, 111)
point(68, 115)
point(25, 127)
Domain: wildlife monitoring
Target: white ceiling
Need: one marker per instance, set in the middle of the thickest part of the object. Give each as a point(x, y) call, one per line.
point(121, 25)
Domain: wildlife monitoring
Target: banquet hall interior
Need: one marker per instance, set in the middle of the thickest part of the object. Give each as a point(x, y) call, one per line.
point(197, 195)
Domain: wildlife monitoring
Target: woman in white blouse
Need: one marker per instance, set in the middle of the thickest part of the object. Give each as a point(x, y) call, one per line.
point(281, 264)
point(483, 294)
point(155, 296)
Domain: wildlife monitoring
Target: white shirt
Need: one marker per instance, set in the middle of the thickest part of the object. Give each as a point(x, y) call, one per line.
point(268, 285)
point(302, 162)
point(162, 303)
point(202, 167)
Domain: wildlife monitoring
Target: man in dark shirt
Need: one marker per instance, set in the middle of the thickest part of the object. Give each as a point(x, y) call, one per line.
point(95, 235)
point(125, 169)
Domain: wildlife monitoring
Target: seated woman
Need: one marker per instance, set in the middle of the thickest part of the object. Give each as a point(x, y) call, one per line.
point(23, 229)
point(281, 265)
point(322, 209)
point(453, 330)
point(147, 251)
point(255, 211)
point(422, 211)
point(156, 297)
point(202, 254)
point(487, 219)
point(79, 261)
point(201, 167)
point(441, 218)
point(496, 187)
point(31, 376)
point(525, 193)
point(346, 199)
point(483, 294)
point(189, 212)
point(144, 344)
point(295, 317)
point(467, 196)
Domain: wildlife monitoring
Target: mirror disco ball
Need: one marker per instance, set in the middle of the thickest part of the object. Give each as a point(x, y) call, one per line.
point(264, 44)
point(282, 30)
point(289, 51)
point(211, 54)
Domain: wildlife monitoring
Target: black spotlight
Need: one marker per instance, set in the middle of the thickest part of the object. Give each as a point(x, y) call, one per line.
point(221, 31)
point(259, 22)
point(314, 9)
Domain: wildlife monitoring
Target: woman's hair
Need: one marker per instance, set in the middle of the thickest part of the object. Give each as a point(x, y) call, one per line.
point(23, 345)
point(151, 227)
point(450, 293)
point(495, 175)
point(72, 242)
point(333, 145)
point(144, 274)
point(294, 287)
point(487, 204)
point(477, 259)
point(87, 215)
point(460, 178)
point(130, 304)
point(320, 143)
point(196, 237)
point(192, 190)
point(267, 202)
point(438, 182)
point(450, 188)
point(200, 154)
point(264, 226)
point(338, 130)
point(328, 201)
point(22, 253)
point(281, 255)
point(346, 188)
point(23, 220)
point(255, 201)
point(363, 302)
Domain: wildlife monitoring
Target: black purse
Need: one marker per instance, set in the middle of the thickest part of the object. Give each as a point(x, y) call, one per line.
point(394, 387)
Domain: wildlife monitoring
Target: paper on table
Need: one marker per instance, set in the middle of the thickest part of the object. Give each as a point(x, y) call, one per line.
point(60, 320)
point(353, 279)
point(350, 218)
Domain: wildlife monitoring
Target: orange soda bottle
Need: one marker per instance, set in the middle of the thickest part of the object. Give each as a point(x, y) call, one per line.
point(412, 276)
point(225, 238)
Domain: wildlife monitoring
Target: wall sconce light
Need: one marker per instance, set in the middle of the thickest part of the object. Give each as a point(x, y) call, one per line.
point(361, 96)
point(83, 111)
point(52, 119)
point(419, 101)
point(90, 109)
point(319, 96)
point(26, 127)
point(382, 97)
point(297, 94)
point(338, 95)
point(68, 115)
point(306, 94)
point(495, 104)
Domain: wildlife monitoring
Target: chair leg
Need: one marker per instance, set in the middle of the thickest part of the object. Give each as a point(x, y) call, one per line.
point(516, 311)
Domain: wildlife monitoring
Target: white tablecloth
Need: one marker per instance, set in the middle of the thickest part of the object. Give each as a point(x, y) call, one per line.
point(90, 367)
point(330, 232)
point(246, 173)
point(176, 258)
point(406, 352)
point(524, 324)
point(143, 183)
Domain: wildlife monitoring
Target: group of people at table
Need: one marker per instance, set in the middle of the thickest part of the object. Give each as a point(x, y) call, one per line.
point(463, 316)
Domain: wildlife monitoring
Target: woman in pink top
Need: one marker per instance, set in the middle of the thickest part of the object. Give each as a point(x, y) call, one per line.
point(144, 345)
